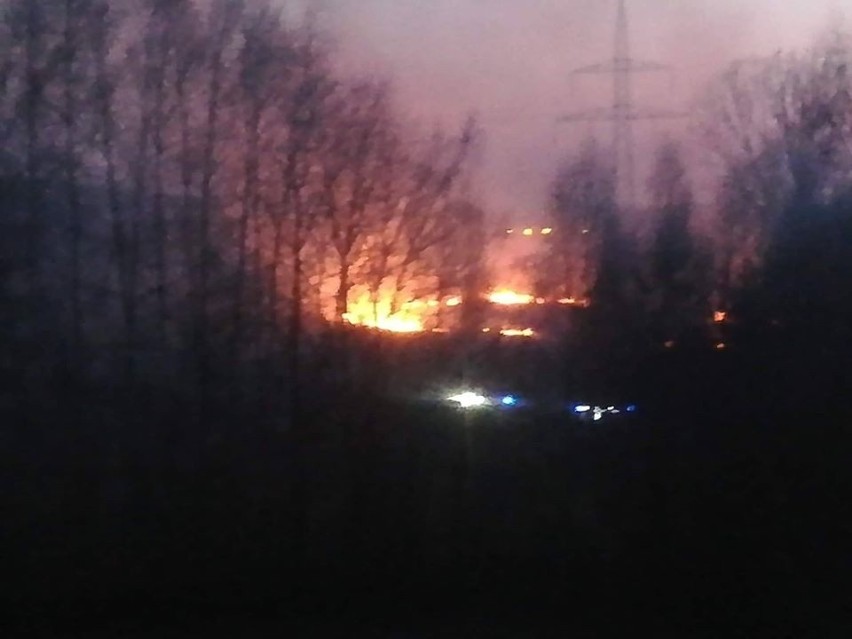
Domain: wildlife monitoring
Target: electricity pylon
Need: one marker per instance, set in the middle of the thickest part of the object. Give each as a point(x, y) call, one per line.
point(623, 111)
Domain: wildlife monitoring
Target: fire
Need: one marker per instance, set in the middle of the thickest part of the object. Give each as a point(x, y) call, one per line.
point(410, 317)
point(391, 324)
point(510, 298)
point(363, 312)
point(517, 332)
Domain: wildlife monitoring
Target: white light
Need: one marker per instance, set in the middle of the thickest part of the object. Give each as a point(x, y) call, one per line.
point(598, 416)
point(517, 332)
point(469, 400)
point(583, 408)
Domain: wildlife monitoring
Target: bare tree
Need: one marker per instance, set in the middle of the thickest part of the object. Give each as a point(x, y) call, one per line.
point(356, 158)
point(427, 218)
point(774, 126)
point(125, 232)
point(222, 25)
point(583, 203)
point(264, 59)
point(678, 299)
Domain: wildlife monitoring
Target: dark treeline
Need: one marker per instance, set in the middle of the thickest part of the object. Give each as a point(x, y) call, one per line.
point(762, 254)
point(189, 190)
point(730, 317)
point(190, 197)
point(190, 194)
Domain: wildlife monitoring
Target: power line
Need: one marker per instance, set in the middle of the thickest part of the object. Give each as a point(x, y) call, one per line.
point(623, 111)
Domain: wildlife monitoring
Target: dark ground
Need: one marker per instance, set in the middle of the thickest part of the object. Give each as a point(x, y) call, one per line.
point(720, 510)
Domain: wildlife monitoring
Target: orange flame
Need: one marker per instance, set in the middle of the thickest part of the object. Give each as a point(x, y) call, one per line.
point(510, 298)
point(363, 312)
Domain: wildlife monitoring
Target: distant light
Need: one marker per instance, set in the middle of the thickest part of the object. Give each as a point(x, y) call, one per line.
point(631, 408)
point(469, 400)
point(517, 332)
point(546, 230)
point(719, 316)
point(486, 330)
point(669, 344)
point(540, 300)
point(721, 346)
point(454, 301)
point(528, 232)
point(568, 300)
point(615, 411)
point(598, 415)
point(509, 231)
point(585, 231)
point(509, 400)
point(610, 408)
point(582, 408)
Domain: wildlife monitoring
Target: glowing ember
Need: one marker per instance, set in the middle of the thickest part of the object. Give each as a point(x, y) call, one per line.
point(516, 332)
point(573, 301)
point(510, 298)
point(720, 316)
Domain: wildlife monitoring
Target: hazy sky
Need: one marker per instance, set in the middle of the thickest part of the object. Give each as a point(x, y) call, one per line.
point(509, 60)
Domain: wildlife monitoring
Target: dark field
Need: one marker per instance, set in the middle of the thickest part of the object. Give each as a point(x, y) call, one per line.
point(711, 510)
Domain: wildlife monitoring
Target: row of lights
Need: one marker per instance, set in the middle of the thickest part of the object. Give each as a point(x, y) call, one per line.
point(529, 231)
point(470, 399)
point(501, 298)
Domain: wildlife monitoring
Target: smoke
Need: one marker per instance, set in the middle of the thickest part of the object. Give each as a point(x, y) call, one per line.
point(510, 61)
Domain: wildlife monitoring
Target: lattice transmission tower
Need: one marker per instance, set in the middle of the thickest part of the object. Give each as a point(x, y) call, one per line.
point(623, 111)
